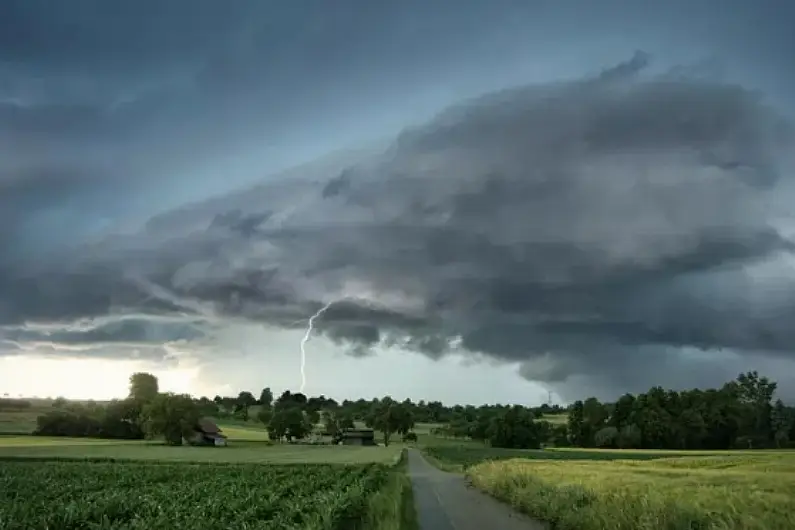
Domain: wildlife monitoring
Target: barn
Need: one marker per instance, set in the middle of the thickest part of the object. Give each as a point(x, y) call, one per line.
point(207, 432)
point(357, 437)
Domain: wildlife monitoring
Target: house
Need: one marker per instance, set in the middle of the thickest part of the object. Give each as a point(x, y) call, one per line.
point(207, 432)
point(357, 437)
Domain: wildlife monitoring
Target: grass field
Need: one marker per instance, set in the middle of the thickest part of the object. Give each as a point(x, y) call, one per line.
point(236, 452)
point(72, 495)
point(459, 457)
point(748, 490)
point(18, 421)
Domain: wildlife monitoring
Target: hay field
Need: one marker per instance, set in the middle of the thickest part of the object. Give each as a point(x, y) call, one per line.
point(748, 491)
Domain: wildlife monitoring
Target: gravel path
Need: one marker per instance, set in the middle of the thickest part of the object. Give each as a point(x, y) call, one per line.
point(445, 502)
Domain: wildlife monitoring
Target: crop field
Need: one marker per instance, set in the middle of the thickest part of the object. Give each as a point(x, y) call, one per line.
point(151, 496)
point(748, 491)
point(458, 457)
point(237, 451)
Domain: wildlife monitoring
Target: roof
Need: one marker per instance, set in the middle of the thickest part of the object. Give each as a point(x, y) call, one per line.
point(215, 435)
point(358, 433)
point(207, 426)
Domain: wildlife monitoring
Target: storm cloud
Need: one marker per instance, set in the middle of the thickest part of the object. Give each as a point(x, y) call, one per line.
point(632, 218)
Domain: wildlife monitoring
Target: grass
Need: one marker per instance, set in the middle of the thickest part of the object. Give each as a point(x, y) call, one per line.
point(236, 452)
point(749, 491)
point(18, 421)
point(556, 419)
point(392, 508)
point(459, 457)
point(244, 432)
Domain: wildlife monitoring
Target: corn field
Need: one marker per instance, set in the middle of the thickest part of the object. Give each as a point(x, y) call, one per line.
point(61, 495)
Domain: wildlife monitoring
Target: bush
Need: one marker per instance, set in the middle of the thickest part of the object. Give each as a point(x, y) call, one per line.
point(114, 421)
point(410, 437)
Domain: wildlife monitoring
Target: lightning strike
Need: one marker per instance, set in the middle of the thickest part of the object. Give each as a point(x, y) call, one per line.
point(309, 328)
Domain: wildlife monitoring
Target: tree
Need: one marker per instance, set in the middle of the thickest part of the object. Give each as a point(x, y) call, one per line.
point(265, 415)
point(755, 395)
point(606, 437)
point(782, 422)
point(576, 423)
point(345, 420)
point(290, 423)
point(245, 400)
point(266, 397)
point(331, 426)
point(172, 416)
point(390, 417)
point(143, 387)
point(313, 417)
point(514, 428)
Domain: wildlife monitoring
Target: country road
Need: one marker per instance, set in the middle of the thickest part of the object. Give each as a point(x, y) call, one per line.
point(445, 502)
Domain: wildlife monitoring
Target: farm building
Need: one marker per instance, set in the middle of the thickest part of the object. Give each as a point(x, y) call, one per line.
point(207, 432)
point(357, 437)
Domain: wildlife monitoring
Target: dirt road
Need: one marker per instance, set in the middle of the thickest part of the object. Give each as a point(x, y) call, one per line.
point(445, 502)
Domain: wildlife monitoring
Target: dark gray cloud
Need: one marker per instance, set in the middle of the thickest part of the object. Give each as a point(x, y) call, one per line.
point(585, 227)
point(584, 223)
point(124, 330)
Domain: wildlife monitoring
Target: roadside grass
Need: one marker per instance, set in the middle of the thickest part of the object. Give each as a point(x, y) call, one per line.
point(748, 491)
point(392, 508)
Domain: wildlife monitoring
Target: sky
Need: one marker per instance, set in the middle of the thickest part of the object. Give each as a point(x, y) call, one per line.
point(503, 201)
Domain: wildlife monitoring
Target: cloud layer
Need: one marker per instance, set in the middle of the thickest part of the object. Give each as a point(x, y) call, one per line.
point(621, 219)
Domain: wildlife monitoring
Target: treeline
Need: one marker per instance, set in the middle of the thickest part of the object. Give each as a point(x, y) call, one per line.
point(422, 411)
point(739, 415)
point(294, 416)
point(14, 404)
point(145, 413)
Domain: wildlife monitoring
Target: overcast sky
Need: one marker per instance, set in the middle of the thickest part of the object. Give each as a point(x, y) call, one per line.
point(500, 199)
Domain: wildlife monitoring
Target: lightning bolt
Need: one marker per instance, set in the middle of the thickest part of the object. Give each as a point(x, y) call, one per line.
point(309, 328)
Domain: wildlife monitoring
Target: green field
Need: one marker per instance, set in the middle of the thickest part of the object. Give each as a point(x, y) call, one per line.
point(237, 451)
point(459, 457)
point(74, 495)
point(18, 421)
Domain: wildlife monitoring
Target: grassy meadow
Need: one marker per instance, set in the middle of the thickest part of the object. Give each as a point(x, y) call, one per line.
point(238, 451)
point(748, 490)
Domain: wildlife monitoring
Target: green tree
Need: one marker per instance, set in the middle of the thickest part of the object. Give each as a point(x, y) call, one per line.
point(144, 387)
point(331, 426)
point(289, 422)
point(755, 395)
point(266, 397)
point(576, 424)
point(245, 400)
point(172, 416)
point(782, 421)
point(265, 415)
point(345, 420)
point(390, 417)
point(514, 427)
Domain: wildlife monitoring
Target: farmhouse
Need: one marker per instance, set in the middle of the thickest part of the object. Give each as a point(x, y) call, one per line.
point(207, 432)
point(357, 437)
